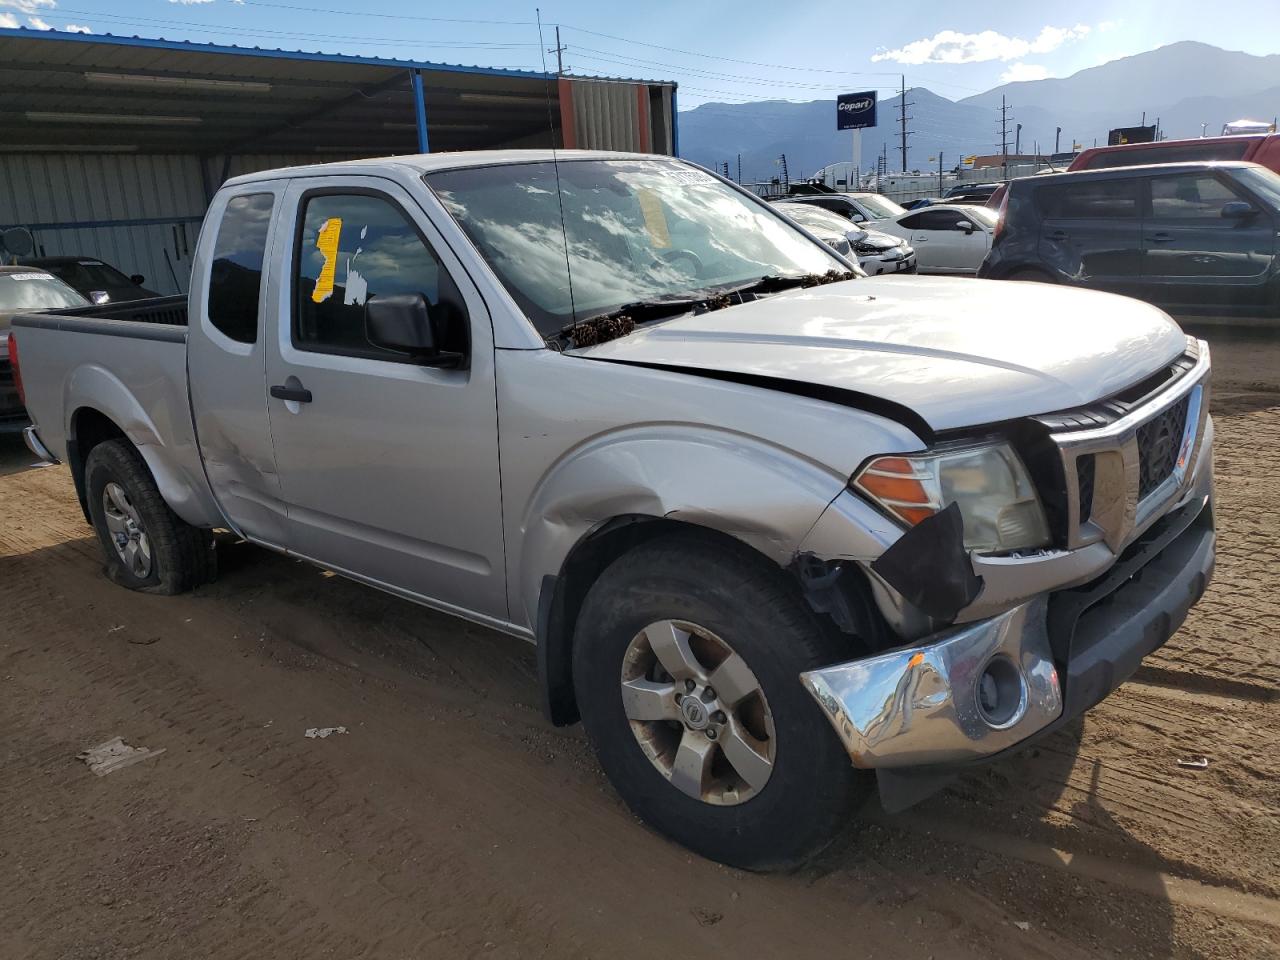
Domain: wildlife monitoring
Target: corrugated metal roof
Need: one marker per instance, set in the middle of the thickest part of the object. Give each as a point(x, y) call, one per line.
point(66, 90)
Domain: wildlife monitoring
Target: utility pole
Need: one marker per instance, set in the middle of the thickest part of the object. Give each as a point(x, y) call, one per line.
point(1057, 141)
point(939, 173)
point(724, 169)
point(1004, 137)
point(904, 118)
point(1017, 141)
point(739, 168)
point(558, 50)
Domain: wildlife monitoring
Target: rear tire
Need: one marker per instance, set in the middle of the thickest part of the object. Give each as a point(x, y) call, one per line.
point(146, 545)
point(775, 807)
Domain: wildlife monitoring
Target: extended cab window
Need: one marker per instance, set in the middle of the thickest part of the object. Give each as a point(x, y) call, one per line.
point(235, 279)
point(354, 247)
point(1088, 200)
point(1190, 196)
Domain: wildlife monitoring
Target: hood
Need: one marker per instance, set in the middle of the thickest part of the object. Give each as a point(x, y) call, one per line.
point(957, 352)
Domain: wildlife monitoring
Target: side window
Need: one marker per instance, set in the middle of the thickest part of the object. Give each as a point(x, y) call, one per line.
point(235, 278)
point(912, 222)
point(1190, 196)
point(940, 219)
point(353, 247)
point(1089, 200)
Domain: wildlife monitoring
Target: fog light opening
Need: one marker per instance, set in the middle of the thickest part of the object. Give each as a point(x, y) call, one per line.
point(1002, 692)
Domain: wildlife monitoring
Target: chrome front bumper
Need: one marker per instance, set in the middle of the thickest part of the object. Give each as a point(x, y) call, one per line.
point(927, 704)
point(982, 688)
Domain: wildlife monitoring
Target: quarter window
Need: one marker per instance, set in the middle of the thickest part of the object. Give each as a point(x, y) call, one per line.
point(1191, 196)
point(235, 278)
point(354, 247)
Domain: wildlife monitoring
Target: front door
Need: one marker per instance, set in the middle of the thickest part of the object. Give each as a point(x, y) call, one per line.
point(943, 246)
point(227, 358)
point(1193, 256)
point(389, 468)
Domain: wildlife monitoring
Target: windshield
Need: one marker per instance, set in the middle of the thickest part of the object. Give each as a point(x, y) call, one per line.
point(984, 215)
point(879, 207)
point(36, 291)
point(88, 274)
point(816, 219)
point(637, 230)
point(1265, 183)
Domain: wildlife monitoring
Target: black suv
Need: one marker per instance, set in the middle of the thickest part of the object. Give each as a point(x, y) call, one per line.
point(1194, 238)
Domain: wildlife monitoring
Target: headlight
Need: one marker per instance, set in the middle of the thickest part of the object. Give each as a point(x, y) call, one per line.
point(990, 484)
point(874, 246)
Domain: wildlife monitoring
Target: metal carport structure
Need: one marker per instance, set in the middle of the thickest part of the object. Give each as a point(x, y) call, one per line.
point(112, 146)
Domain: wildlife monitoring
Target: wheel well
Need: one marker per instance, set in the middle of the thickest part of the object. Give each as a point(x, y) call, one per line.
point(836, 592)
point(89, 428)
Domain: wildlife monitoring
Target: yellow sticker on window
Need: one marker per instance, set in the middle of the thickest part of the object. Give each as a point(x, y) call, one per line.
point(327, 244)
point(655, 219)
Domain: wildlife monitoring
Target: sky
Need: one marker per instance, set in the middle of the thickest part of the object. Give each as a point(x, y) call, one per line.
point(717, 51)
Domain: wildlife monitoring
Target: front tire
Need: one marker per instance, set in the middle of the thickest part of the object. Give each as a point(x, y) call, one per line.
point(687, 657)
point(146, 545)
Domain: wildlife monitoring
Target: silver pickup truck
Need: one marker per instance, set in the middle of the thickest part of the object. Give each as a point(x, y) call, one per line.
point(779, 533)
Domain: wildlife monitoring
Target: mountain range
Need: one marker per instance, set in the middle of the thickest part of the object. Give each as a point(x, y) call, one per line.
point(1183, 85)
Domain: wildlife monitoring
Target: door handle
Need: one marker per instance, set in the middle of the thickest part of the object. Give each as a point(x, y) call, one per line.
point(1160, 237)
point(296, 394)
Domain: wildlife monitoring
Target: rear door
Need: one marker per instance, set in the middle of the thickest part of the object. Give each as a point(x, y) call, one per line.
point(390, 468)
point(226, 360)
point(1193, 256)
point(1091, 232)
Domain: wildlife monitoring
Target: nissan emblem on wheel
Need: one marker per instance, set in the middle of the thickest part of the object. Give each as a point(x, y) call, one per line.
point(856, 111)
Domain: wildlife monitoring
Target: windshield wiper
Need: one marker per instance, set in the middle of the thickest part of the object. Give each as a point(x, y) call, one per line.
point(621, 321)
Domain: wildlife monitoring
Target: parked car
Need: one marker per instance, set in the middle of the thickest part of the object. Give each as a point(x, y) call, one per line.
point(951, 238)
point(1194, 238)
point(858, 207)
point(770, 528)
point(975, 193)
point(919, 202)
point(875, 252)
point(25, 290)
point(100, 282)
point(1263, 148)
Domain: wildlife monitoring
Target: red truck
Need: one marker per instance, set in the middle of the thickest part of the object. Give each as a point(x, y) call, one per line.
point(1263, 148)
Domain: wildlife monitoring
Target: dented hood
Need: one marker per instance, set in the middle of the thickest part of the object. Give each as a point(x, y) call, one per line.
point(957, 352)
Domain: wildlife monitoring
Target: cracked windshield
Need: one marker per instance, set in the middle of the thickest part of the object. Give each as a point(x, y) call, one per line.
point(635, 231)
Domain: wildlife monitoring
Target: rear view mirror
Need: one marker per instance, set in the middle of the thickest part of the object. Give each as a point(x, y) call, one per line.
point(1237, 210)
point(137, 279)
point(99, 296)
point(857, 217)
point(405, 324)
point(965, 225)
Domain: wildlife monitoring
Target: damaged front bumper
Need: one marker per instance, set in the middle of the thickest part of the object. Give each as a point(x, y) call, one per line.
point(985, 688)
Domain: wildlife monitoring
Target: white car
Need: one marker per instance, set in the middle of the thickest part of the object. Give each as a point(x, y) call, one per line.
point(948, 238)
point(876, 252)
point(870, 208)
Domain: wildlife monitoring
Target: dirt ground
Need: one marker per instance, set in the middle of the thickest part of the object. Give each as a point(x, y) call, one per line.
point(451, 821)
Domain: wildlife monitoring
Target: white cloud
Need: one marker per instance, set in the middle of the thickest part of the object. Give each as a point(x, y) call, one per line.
point(28, 6)
point(8, 21)
point(1107, 25)
point(76, 28)
point(1024, 71)
point(38, 23)
point(950, 46)
point(189, 3)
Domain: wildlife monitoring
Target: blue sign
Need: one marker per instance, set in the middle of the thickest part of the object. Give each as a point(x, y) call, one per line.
point(855, 111)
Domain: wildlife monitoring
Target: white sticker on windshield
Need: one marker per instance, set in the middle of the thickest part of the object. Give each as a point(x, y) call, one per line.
point(28, 276)
point(690, 176)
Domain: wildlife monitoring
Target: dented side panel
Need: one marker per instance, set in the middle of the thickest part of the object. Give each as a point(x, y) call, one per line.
point(583, 442)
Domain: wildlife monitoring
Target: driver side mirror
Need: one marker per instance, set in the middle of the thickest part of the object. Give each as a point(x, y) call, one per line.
point(966, 226)
point(137, 279)
point(407, 323)
point(1237, 210)
point(857, 217)
point(99, 297)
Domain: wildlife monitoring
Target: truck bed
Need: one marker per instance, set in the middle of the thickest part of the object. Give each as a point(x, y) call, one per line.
point(127, 363)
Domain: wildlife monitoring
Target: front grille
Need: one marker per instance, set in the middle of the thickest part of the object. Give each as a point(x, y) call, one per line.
point(1158, 442)
point(1086, 466)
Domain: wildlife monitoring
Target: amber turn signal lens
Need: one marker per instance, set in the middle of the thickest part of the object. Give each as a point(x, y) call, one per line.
point(897, 484)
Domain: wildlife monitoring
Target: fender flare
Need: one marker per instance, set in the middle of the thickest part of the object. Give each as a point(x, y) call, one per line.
point(92, 387)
